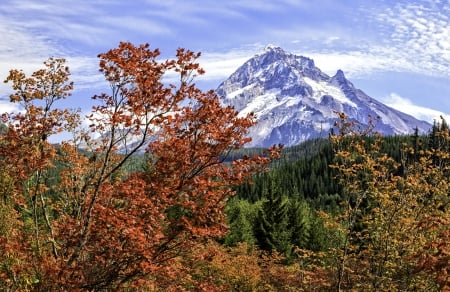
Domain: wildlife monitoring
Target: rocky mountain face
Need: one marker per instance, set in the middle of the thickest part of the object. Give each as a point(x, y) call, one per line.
point(294, 100)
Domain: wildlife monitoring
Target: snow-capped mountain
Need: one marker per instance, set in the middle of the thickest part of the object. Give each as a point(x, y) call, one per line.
point(294, 101)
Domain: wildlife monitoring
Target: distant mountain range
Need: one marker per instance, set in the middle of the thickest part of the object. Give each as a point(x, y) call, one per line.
point(295, 101)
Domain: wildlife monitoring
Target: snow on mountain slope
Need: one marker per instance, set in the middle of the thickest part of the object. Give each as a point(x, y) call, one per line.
point(294, 100)
point(322, 88)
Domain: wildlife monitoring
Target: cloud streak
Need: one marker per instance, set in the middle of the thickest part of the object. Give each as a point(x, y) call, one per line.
point(419, 34)
point(403, 37)
point(405, 105)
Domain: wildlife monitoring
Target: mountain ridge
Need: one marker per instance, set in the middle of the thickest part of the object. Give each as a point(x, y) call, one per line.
point(295, 101)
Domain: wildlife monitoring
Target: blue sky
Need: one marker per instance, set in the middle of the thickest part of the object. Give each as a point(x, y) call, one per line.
point(396, 51)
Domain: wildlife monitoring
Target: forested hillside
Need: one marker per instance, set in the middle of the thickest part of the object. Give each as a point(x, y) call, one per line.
point(358, 211)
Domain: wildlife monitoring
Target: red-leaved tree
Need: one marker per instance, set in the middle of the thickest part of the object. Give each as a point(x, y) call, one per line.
point(76, 218)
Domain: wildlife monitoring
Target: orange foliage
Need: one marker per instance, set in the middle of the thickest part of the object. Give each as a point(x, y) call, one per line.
point(395, 225)
point(88, 225)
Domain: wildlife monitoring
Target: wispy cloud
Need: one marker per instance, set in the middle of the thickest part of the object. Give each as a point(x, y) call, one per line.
point(219, 66)
point(85, 73)
point(419, 34)
point(8, 107)
point(405, 105)
point(404, 37)
point(22, 51)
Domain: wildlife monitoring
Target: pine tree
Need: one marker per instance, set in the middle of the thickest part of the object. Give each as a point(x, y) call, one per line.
point(240, 216)
point(300, 223)
point(271, 228)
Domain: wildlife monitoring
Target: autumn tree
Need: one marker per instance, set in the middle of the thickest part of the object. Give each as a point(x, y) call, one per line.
point(432, 173)
point(26, 161)
point(99, 227)
point(386, 219)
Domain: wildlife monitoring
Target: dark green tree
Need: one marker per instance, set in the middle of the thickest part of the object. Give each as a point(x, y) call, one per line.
point(300, 217)
point(271, 228)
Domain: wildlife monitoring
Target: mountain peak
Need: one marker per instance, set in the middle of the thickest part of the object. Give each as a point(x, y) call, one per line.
point(294, 100)
point(271, 54)
point(278, 53)
point(273, 48)
point(339, 78)
point(275, 69)
point(339, 74)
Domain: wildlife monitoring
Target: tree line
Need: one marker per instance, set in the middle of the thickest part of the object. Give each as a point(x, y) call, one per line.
point(377, 219)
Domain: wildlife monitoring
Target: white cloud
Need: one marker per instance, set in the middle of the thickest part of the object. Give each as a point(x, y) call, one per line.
point(411, 37)
point(8, 107)
point(405, 105)
point(419, 34)
point(406, 37)
point(353, 63)
point(219, 66)
point(85, 73)
point(22, 51)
